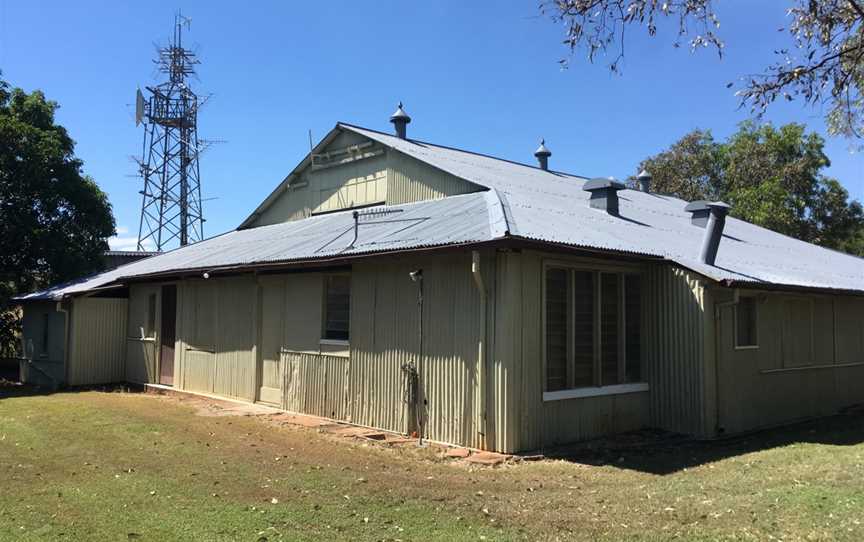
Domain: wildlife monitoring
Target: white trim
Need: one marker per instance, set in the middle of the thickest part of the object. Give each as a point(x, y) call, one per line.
point(334, 342)
point(578, 393)
point(735, 344)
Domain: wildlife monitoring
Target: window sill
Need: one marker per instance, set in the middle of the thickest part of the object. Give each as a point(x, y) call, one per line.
point(579, 393)
point(334, 342)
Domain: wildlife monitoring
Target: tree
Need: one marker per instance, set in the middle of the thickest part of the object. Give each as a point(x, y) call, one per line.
point(824, 64)
point(54, 220)
point(771, 177)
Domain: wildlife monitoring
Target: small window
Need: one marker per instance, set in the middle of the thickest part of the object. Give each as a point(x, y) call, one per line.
point(745, 323)
point(150, 329)
point(337, 311)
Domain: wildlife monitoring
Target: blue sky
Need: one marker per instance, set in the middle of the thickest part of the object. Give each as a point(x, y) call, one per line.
point(478, 75)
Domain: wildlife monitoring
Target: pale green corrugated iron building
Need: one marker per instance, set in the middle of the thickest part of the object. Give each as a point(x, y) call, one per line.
point(565, 320)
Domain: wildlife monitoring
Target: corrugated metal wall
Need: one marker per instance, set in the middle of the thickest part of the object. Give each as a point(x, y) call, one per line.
point(385, 335)
point(98, 341)
point(522, 419)
point(410, 180)
point(315, 384)
point(674, 326)
point(506, 388)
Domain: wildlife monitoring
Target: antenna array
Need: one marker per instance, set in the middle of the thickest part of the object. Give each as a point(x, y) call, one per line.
point(171, 209)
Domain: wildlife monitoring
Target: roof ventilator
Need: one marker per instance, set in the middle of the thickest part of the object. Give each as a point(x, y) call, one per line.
point(542, 154)
point(604, 194)
point(699, 212)
point(400, 120)
point(644, 181)
point(710, 215)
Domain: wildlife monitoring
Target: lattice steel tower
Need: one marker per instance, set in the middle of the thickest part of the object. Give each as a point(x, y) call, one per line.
point(171, 199)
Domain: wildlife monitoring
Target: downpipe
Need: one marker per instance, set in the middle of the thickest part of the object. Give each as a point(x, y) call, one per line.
point(481, 347)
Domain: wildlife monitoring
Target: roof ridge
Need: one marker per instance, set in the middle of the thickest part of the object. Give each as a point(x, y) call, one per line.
point(457, 149)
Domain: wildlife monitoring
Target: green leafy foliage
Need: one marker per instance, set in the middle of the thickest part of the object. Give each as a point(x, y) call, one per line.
point(54, 220)
point(771, 176)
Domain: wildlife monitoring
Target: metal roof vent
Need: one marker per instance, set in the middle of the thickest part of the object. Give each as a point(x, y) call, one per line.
point(710, 215)
point(400, 120)
point(644, 180)
point(543, 154)
point(604, 194)
point(699, 212)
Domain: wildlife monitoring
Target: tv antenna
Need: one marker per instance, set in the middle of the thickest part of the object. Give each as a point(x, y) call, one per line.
point(171, 209)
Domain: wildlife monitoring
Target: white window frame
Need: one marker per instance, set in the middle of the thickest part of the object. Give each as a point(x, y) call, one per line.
point(737, 344)
point(597, 390)
point(323, 340)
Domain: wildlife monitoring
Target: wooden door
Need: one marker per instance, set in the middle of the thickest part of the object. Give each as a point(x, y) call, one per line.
point(271, 322)
point(168, 335)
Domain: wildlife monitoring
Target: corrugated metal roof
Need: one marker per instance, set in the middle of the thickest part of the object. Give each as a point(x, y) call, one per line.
point(551, 206)
point(521, 201)
point(455, 220)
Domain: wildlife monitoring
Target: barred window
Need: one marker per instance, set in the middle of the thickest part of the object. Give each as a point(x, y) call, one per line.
point(592, 328)
point(337, 310)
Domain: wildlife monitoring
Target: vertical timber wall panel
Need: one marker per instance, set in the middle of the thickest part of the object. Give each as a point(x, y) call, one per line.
point(141, 352)
point(235, 338)
point(198, 327)
point(809, 361)
point(98, 341)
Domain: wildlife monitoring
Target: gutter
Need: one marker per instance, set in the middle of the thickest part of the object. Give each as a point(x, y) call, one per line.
point(755, 285)
point(481, 347)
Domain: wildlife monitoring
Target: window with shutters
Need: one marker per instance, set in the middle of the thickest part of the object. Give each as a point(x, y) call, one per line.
point(592, 332)
point(337, 309)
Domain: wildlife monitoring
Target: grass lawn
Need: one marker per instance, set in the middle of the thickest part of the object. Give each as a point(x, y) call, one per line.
point(124, 466)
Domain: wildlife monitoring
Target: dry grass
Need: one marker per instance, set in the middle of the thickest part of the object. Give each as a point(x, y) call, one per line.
point(119, 466)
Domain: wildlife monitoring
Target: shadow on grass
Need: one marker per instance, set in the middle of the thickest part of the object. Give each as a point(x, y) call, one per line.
point(11, 388)
point(658, 452)
point(650, 451)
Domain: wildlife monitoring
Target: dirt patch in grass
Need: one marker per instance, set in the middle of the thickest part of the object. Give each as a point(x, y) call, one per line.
point(132, 466)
